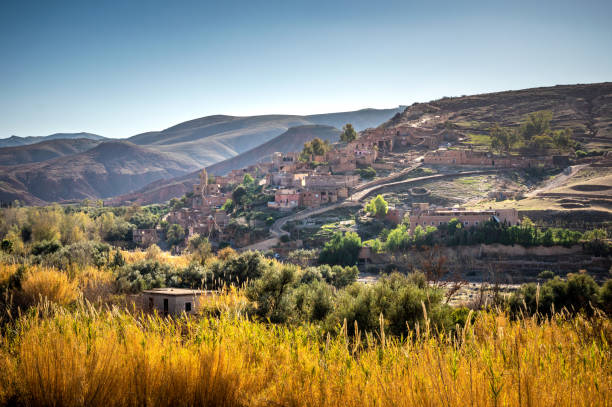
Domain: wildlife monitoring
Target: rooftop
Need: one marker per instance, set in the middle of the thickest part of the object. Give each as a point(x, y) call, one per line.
point(174, 291)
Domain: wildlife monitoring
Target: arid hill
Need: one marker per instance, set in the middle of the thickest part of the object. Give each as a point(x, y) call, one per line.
point(45, 150)
point(177, 150)
point(586, 109)
point(111, 168)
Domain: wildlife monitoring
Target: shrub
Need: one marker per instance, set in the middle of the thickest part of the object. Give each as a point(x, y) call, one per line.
point(546, 275)
point(143, 275)
point(237, 270)
point(46, 247)
point(579, 293)
point(272, 293)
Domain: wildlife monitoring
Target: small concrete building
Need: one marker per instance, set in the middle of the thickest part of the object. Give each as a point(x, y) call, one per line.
point(172, 300)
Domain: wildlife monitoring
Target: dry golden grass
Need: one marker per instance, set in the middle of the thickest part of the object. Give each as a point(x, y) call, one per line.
point(50, 284)
point(109, 358)
point(6, 271)
point(153, 254)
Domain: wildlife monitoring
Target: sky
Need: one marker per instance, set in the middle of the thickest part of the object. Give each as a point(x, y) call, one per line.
point(125, 67)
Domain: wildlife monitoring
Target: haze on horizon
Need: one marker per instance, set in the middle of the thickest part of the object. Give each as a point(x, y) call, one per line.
point(122, 68)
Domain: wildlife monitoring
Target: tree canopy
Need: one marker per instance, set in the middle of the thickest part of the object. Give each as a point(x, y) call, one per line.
point(315, 147)
point(377, 207)
point(348, 133)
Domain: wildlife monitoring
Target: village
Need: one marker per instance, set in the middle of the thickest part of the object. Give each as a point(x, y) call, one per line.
point(296, 181)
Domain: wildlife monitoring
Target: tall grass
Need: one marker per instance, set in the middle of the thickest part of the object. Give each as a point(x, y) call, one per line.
point(49, 284)
point(107, 358)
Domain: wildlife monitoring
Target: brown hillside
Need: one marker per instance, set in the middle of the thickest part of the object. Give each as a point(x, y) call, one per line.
point(110, 168)
point(586, 109)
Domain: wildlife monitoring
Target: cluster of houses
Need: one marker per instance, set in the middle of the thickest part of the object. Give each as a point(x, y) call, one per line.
point(331, 177)
point(205, 216)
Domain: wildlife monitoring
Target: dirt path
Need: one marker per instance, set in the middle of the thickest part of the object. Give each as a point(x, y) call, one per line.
point(556, 181)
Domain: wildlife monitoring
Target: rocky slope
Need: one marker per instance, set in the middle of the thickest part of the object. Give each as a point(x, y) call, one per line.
point(586, 109)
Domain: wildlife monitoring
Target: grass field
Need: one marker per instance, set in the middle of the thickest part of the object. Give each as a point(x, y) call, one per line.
point(111, 358)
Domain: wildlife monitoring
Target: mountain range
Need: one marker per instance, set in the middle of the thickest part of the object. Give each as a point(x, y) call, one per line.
point(74, 166)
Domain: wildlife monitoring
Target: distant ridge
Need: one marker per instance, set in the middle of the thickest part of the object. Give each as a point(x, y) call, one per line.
point(45, 150)
point(16, 141)
point(291, 140)
point(111, 168)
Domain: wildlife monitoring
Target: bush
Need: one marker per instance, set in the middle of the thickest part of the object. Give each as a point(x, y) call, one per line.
point(46, 247)
point(398, 298)
point(237, 270)
point(580, 293)
point(80, 255)
point(272, 293)
point(546, 275)
point(143, 275)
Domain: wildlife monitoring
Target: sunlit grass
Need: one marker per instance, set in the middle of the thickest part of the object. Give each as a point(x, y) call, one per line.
point(95, 358)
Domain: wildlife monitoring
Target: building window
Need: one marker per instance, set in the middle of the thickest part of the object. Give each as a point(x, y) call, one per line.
point(466, 222)
point(187, 307)
point(151, 303)
point(476, 223)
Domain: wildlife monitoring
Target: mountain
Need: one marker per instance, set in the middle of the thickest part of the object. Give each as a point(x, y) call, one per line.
point(111, 168)
point(45, 150)
point(586, 109)
point(291, 140)
point(212, 139)
point(15, 141)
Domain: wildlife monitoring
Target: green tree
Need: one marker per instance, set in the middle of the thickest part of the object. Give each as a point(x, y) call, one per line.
point(228, 206)
point(562, 139)
point(503, 139)
point(314, 147)
point(238, 194)
point(175, 234)
point(200, 248)
point(348, 133)
point(247, 179)
point(378, 206)
point(341, 249)
point(536, 124)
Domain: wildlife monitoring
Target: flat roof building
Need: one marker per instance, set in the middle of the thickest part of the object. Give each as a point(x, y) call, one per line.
point(172, 300)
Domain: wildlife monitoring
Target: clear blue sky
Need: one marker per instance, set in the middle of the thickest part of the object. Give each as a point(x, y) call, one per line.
point(124, 67)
